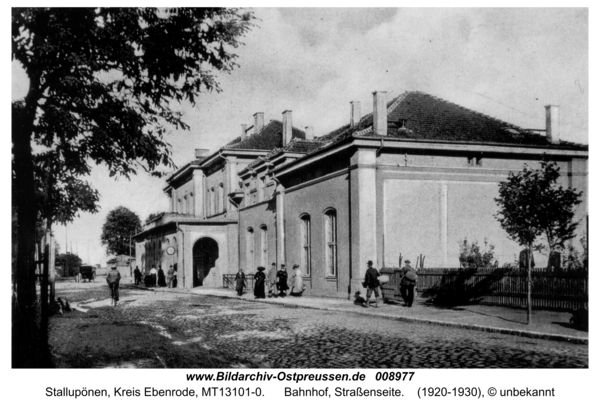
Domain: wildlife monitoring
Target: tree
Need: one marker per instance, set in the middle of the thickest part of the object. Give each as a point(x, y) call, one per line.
point(471, 256)
point(152, 216)
point(70, 261)
point(120, 225)
point(102, 82)
point(533, 205)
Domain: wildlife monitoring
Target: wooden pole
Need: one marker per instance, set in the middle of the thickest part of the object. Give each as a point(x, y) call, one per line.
point(529, 255)
point(51, 265)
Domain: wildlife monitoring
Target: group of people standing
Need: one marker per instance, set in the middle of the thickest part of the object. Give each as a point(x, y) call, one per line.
point(274, 284)
point(156, 277)
point(408, 283)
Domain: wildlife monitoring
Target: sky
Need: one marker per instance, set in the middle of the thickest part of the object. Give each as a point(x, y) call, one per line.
point(506, 63)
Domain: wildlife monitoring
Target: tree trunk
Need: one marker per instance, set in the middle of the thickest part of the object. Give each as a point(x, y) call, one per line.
point(26, 349)
point(529, 256)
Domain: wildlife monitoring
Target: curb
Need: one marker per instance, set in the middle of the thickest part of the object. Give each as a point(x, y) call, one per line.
point(482, 328)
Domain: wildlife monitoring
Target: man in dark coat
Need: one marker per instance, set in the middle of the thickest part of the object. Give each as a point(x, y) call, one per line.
point(372, 283)
point(408, 283)
point(240, 282)
point(137, 274)
point(259, 283)
point(282, 278)
point(112, 278)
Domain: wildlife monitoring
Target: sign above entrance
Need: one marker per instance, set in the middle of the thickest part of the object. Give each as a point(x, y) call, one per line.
point(170, 250)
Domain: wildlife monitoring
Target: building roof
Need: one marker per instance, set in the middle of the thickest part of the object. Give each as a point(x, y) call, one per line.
point(297, 145)
point(270, 137)
point(420, 116)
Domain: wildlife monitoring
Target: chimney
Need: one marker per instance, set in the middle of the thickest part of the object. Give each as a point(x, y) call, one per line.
point(552, 124)
point(287, 127)
point(354, 113)
point(380, 113)
point(309, 133)
point(243, 134)
point(259, 122)
point(201, 153)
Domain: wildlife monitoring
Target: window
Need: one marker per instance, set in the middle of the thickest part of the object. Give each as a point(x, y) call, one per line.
point(305, 243)
point(222, 198)
point(217, 200)
point(264, 247)
point(250, 250)
point(331, 242)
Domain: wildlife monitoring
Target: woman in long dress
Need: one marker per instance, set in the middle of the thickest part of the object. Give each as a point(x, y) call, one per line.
point(259, 283)
point(297, 282)
point(161, 278)
point(240, 281)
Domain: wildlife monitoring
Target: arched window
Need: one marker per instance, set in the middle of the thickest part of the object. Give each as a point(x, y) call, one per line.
point(264, 247)
point(331, 242)
point(250, 250)
point(305, 262)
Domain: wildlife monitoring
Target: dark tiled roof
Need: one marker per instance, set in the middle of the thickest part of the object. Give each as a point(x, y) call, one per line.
point(427, 117)
point(297, 145)
point(268, 138)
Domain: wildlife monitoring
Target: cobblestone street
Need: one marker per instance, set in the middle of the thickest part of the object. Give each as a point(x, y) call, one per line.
point(175, 330)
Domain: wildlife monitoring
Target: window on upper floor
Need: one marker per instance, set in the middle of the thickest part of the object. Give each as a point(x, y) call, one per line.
point(223, 199)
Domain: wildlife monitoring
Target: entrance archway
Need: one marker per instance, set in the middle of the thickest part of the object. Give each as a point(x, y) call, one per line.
point(206, 253)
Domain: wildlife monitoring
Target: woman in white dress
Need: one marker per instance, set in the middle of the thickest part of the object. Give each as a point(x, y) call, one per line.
point(297, 282)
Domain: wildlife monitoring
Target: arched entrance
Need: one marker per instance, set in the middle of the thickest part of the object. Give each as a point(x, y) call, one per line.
point(206, 253)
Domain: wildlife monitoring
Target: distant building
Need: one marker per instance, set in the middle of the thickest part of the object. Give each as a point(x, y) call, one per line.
point(415, 177)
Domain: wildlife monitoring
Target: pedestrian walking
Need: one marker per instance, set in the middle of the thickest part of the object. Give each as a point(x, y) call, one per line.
point(112, 278)
point(282, 278)
point(372, 283)
point(240, 281)
point(272, 280)
point(298, 286)
point(137, 275)
point(170, 275)
point(408, 283)
point(161, 277)
point(259, 282)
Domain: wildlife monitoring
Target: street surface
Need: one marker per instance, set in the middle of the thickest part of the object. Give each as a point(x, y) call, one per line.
point(174, 330)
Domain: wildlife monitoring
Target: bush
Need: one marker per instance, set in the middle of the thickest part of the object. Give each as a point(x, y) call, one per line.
point(471, 255)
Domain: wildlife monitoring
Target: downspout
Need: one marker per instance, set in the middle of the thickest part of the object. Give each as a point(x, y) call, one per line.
point(182, 253)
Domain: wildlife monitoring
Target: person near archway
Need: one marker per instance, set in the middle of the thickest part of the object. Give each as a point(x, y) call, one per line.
point(240, 281)
point(161, 277)
point(259, 283)
point(170, 275)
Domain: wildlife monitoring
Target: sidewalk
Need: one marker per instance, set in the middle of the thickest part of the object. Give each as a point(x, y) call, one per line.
point(550, 325)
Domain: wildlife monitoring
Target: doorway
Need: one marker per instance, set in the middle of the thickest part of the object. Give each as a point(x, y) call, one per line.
point(206, 253)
